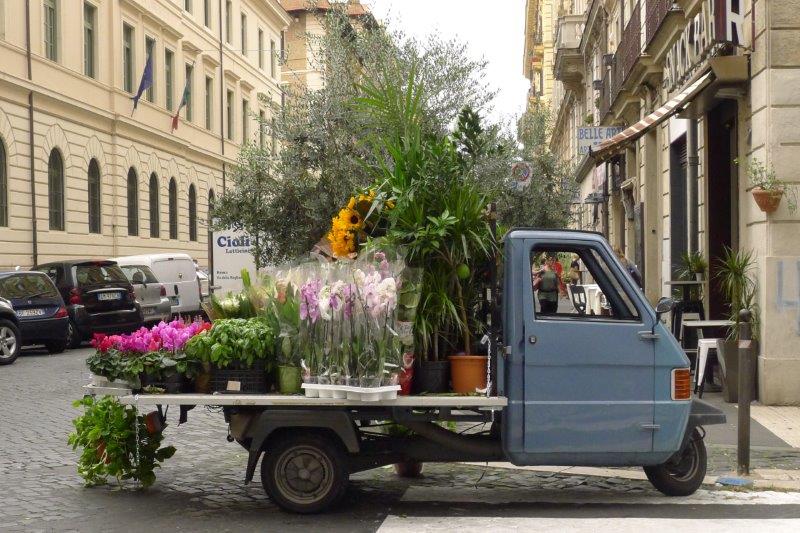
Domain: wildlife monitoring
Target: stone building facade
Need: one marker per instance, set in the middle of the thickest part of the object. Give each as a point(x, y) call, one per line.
point(700, 89)
point(81, 173)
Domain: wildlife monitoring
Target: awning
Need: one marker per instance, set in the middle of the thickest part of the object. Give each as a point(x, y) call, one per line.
point(609, 147)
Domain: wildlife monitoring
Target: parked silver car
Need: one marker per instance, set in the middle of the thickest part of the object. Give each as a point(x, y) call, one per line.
point(151, 294)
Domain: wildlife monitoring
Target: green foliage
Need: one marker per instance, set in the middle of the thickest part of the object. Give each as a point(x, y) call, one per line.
point(115, 365)
point(735, 276)
point(107, 433)
point(285, 201)
point(440, 214)
point(234, 340)
point(764, 177)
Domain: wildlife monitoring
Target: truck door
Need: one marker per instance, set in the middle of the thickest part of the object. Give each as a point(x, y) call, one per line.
point(588, 358)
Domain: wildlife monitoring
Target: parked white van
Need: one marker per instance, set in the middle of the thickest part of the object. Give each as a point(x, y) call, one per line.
point(177, 273)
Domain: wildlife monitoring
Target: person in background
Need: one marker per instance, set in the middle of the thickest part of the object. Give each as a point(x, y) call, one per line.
point(629, 266)
point(547, 283)
point(574, 270)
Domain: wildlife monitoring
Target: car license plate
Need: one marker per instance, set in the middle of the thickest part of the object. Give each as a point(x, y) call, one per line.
point(109, 296)
point(149, 310)
point(30, 312)
point(174, 300)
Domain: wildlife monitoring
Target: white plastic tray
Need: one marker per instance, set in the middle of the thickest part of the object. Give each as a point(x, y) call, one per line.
point(341, 392)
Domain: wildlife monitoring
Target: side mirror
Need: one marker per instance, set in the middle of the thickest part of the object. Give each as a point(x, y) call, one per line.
point(664, 305)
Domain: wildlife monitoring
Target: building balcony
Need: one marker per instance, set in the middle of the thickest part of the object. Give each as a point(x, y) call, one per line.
point(663, 22)
point(568, 65)
point(690, 7)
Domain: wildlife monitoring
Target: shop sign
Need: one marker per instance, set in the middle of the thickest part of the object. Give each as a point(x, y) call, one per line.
point(719, 21)
point(591, 136)
point(232, 252)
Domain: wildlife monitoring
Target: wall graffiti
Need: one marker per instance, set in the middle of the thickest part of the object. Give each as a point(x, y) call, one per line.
point(787, 295)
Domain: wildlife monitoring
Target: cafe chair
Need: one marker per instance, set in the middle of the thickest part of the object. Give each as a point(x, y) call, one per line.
point(704, 347)
point(577, 294)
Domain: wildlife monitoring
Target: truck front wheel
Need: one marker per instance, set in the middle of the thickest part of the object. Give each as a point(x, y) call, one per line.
point(304, 472)
point(684, 472)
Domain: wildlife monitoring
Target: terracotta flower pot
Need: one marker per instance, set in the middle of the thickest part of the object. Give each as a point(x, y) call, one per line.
point(768, 201)
point(468, 372)
point(409, 469)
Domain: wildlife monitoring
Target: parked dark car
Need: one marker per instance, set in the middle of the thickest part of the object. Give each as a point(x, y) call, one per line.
point(41, 315)
point(99, 298)
point(9, 333)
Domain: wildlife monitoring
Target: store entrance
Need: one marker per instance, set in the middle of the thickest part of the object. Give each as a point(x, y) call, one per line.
point(722, 198)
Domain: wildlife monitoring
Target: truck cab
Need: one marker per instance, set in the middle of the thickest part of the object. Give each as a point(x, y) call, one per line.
point(589, 383)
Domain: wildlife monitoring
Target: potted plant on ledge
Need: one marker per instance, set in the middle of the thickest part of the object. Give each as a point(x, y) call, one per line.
point(739, 289)
point(767, 189)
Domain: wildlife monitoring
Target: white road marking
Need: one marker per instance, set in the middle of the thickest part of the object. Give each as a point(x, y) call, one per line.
point(396, 524)
point(497, 496)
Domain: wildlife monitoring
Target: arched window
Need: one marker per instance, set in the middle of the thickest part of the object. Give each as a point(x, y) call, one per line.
point(173, 209)
point(133, 202)
point(3, 186)
point(192, 213)
point(55, 190)
point(95, 222)
point(210, 207)
point(155, 213)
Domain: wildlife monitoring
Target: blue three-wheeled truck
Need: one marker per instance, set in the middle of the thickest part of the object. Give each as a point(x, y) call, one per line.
point(594, 384)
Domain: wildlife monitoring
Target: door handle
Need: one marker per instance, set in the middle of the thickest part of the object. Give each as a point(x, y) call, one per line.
point(532, 339)
point(648, 335)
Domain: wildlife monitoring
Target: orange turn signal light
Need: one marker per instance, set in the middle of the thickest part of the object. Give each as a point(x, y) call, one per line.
point(681, 384)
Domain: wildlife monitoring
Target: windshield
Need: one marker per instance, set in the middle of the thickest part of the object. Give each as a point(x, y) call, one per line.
point(139, 274)
point(27, 286)
point(98, 274)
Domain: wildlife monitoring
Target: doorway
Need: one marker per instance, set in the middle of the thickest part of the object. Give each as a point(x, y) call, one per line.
point(722, 196)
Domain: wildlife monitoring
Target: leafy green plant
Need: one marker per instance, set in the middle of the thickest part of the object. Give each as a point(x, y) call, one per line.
point(735, 277)
point(109, 364)
point(692, 263)
point(234, 340)
point(107, 432)
point(764, 177)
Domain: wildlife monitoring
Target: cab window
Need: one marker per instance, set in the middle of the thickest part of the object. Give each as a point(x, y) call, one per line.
point(577, 283)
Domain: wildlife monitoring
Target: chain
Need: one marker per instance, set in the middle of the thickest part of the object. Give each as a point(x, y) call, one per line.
point(136, 425)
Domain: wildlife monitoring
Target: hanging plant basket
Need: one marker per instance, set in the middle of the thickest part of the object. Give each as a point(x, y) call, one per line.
point(767, 200)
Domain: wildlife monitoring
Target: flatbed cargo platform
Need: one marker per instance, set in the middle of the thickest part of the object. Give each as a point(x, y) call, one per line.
point(457, 402)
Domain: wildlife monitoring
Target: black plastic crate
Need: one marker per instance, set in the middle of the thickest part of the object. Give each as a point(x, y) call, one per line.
point(252, 380)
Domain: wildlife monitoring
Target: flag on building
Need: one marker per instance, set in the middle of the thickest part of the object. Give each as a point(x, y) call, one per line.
point(184, 101)
point(145, 83)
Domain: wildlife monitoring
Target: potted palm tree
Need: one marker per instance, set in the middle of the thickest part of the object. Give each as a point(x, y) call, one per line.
point(739, 289)
point(767, 189)
point(694, 266)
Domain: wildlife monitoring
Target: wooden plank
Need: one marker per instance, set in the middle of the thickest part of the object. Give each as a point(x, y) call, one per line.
point(302, 401)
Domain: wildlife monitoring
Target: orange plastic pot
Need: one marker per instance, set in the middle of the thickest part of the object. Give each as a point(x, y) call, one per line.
point(468, 372)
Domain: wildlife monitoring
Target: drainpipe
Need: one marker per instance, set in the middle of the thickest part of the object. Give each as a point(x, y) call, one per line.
point(34, 222)
point(692, 164)
point(221, 99)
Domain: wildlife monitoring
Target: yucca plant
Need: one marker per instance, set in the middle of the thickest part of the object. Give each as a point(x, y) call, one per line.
point(735, 277)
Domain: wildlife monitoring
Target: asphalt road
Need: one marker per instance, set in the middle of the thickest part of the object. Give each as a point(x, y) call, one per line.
point(201, 488)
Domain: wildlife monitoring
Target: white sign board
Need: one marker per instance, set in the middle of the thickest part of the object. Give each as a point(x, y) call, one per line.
point(591, 136)
point(231, 252)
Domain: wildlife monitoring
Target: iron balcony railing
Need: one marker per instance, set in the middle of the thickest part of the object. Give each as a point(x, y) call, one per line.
point(657, 11)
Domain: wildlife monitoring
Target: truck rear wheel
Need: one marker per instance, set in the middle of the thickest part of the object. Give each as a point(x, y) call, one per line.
point(684, 472)
point(304, 472)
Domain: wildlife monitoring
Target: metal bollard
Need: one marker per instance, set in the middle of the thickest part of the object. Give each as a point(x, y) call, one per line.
point(745, 394)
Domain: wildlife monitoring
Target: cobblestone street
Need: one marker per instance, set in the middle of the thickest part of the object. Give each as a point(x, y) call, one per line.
point(201, 488)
